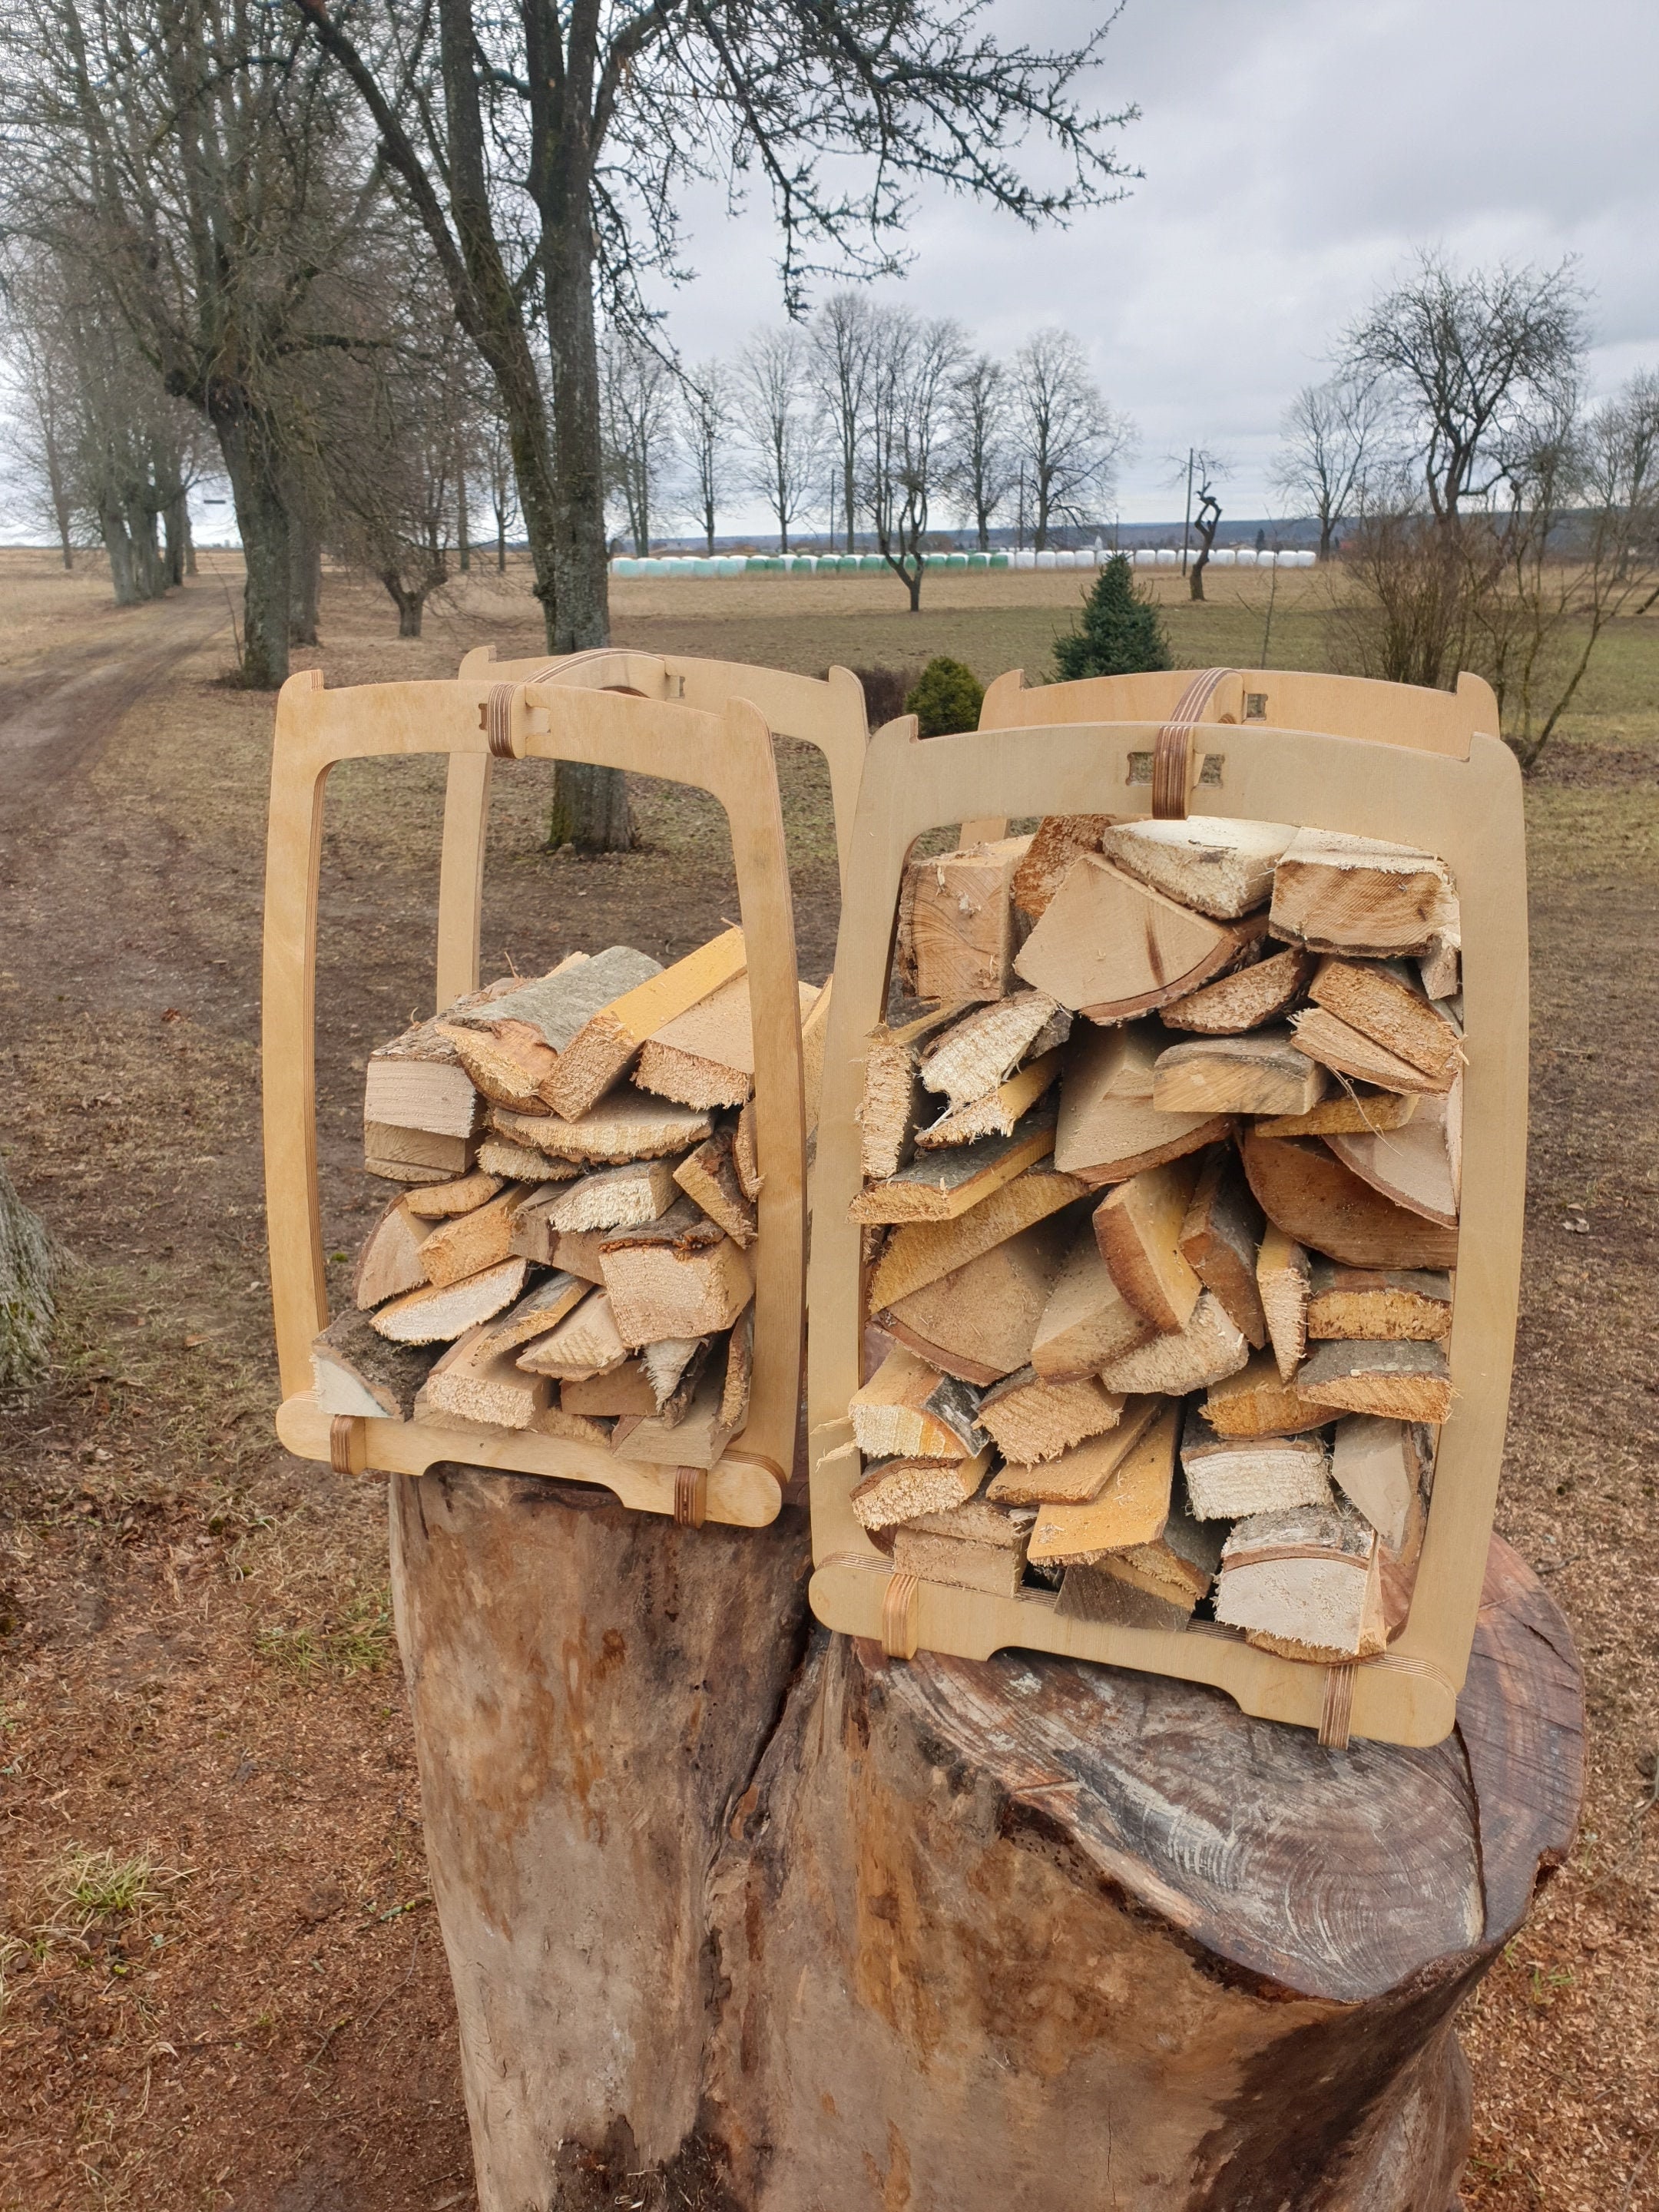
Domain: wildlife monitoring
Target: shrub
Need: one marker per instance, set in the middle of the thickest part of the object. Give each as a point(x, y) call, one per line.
point(947, 696)
point(1121, 632)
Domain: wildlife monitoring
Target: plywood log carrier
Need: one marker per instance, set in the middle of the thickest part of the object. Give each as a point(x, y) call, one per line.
point(707, 1572)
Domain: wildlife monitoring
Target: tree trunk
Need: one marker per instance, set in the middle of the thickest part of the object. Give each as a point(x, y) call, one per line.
point(500, 542)
point(410, 601)
point(732, 1933)
point(463, 535)
point(593, 1691)
point(175, 524)
point(262, 522)
point(1196, 575)
point(28, 1270)
point(305, 577)
point(1325, 526)
point(123, 571)
point(589, 804)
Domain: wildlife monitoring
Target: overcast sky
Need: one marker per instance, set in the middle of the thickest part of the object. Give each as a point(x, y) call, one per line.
point(1294, 152)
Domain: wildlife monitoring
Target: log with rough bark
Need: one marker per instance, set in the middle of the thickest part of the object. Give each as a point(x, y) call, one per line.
point(1000, 1926)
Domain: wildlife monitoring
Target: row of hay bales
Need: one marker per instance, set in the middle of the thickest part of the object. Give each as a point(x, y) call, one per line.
point(849, 564)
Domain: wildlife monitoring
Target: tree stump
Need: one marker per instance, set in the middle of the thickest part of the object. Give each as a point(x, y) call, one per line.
point(730, 1930)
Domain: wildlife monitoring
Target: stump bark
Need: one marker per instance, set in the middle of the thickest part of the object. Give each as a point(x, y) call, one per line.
point(744, 1918)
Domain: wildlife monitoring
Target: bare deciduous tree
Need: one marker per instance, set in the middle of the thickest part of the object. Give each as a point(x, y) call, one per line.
point(193, 156)
point(1066, 436)
point(1207, 470)
point(707, 414)
point(912, 362)
point(979, 465)
point(1472, 359)
point(774, 405)
point(1331, 434)
point(637, 397)
point(842, 337)
point(545, 149)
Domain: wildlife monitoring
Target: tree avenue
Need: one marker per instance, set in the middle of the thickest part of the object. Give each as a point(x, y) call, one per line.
point(543, 150)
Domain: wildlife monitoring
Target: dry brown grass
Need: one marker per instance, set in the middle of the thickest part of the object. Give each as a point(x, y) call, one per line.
point(195, 1645)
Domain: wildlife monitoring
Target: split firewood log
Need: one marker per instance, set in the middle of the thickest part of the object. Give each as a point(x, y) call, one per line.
point(998, 1113)
point(470, 1243)
point(1108, 1128)
point(1132, 1508)
point(923, 1252)
point(1137, 1227)
point(1262, 1073)
point(977, 1545)
point(697, 1438)
point(403, 1155)
point(416, 1082)
point(706, 1056)
point(1220, 867)
point(940, 1185)
point(667, 1364)
point(892, 1490)
point(1031, 1421)
point(895, 1104)
point(679, 1275)
point(1349, 1052)
point(1256, 1401)
point(1378, 1303)
point(1087, 1322)
point(1383, 1468)
point(620, 1391)
point(628, 1126)
point(1407, 1380)
point(514, 1162)
point(909, 1410)
point(584, 1344)
point(709, 1176)
point(521, 1031)
point(1357, 1111)
point(1219, 1238)
point(444, 1311)
point(1152, 1585)
point(969, 1060)
point(979, 1321)
point(1247, 999)
point(473, 1383)
point(1111, 947)
point(614, 1198)
point(956, 937)
point(1305, 1582)
point(1305, 1190)
point(1205, 1351)
point(1229, 1478)
point(1283, 1277)
point(390, 1261)
point(541, 1308)
point(1078, 1476)
point(356, 1371)
point(1057, 842)
point(1383, 1000)
point(436, 1201)
point(1358, 894)
point(1420, 1167)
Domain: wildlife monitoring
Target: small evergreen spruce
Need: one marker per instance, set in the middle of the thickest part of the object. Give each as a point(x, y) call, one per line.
point(1121, 632)
point(946, 697)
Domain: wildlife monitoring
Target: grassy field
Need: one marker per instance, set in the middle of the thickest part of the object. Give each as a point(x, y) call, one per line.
point(223, 1986)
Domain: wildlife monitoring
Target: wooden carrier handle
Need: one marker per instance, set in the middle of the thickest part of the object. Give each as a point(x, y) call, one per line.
point(1172, 752)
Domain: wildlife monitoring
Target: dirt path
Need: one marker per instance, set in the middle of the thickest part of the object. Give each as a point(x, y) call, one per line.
point(56, 715)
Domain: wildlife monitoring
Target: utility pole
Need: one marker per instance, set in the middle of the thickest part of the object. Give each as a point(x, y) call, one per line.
point(1187, 526)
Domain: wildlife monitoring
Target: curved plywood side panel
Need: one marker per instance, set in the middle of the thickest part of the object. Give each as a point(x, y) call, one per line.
point(1468, 811)
point(1280, 698)
point(728, 754)
point(828, 713)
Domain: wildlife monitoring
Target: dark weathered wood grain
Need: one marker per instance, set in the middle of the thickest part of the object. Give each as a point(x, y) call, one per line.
point(1028, 1933)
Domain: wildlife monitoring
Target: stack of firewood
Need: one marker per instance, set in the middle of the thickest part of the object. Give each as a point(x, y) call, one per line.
point(1161, 1196)
point(572, 1249)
